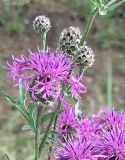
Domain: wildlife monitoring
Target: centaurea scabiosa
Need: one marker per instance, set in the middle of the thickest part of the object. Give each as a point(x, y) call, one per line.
point(106, 119)
point(67, 121)
point(75, 149)
point(43, 73)
point(111, 143)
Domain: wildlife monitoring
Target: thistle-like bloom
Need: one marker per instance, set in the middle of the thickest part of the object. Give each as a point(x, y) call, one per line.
point(106, 119)
point(68, 122)
point(69, 41)
point(76, 149)
point(42, 73)
point(77, 87)
point(85, 57)
point(86, 128)
point(111, 144)
point(41, 24)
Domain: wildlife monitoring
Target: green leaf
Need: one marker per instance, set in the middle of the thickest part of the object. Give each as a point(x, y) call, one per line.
point(3, 155)
point(22, 92)
point(26, 127)
point(11, 100)
point(53, 132)
point(116, 5)
point(32, 108)
point(46, 117)
point(51, 139)
point(22, 110)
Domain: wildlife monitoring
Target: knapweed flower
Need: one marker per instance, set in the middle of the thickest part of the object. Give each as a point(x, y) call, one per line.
point(85, 57)
point(41, 24)
point(68, 122)
point(86, 128)
point(69, 41)
point(76, 149)
point(111, 144)
point(107, 119)
point(114, 118)
point(77, 87)
point(42, 73)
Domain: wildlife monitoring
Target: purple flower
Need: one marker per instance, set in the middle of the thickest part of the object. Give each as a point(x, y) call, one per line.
point(68, 123)
point(76, 86)
point(86, 128)
point(76, 149)
point(111, 144)
point(43, 74)
point(106, 119)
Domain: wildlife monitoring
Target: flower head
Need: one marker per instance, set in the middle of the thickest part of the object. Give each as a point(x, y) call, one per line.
point(69, 41)
point(68, 122)
point(111, 144)
point(43, 74)
point(41, 24)
point(85, 57)
point(76, 149)
point(77, 87)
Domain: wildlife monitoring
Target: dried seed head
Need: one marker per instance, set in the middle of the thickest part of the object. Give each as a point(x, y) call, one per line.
point(85, 57)
point(69, 41)
point(41, 24)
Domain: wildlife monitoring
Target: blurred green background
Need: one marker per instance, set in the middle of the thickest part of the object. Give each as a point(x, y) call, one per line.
point(107, 38)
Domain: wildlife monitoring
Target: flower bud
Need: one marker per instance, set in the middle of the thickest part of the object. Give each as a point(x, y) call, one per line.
point(41, 24)
point(85, 57)
point(69, 41)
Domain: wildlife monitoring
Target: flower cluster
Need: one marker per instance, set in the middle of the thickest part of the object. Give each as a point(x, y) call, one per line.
point(44, 73)
point(99, 137)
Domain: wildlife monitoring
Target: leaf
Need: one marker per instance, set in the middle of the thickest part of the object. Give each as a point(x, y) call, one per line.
point(26, 127)
point(20, 106)
point(46, 117)
point(55, 132)
point(32, 108)
point(116, 5)
point(11, 100)
point(22, 92)
point(3, 155)
point(51, 139)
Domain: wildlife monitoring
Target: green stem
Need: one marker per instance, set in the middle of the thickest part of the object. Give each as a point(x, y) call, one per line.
point(54, 128)
point(37, 132)
point(109, 82)
point(88, 27)
point(47, 131)
point(43, 41)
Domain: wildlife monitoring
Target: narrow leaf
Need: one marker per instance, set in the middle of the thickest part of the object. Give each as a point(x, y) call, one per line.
point(22, 92)
point(116, 5)
point(55, 132)
point(26, 127)
point(11, 100)
point(46, 117)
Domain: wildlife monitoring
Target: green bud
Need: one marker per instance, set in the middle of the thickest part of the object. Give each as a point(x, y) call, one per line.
point(41, 24)
point(85, 57)
point(69, 41)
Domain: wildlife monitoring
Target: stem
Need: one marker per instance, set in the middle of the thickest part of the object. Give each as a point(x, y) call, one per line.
point(43, 41)
point(88, 27)
point(81, 70)
point(54, 128)
point(37, 132)
point(47, 131)
point(109, 82)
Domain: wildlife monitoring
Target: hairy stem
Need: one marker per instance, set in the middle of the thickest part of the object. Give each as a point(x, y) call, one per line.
point(88, 27)
point(109, 81)
point(43, 41)
point(48, 129)
point(37, 132)
point(54, 128)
